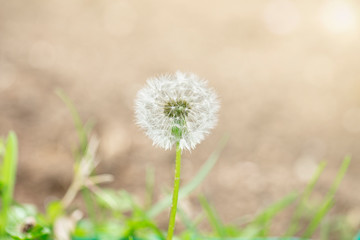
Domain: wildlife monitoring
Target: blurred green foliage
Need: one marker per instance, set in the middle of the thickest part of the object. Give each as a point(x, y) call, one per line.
point(116, 215)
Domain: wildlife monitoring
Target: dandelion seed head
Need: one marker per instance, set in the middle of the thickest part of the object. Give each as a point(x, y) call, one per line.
point(176, 108)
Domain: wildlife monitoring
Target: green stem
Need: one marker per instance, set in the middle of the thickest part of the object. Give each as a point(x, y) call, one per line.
point(90, 206)
point(175, 193)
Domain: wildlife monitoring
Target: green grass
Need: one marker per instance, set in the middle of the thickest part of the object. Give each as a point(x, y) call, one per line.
point(295, 225)
point(7, 177)
point(115, 214)
point(328, 201)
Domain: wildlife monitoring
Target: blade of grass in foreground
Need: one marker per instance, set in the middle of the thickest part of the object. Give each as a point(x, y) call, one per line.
point(8, 176)
point(260, 226)
point(213, 217)
point(150, 183)
point(83, 129)
point(329, 200)
point(186, 190)
point(294, 223)
point(185, 219)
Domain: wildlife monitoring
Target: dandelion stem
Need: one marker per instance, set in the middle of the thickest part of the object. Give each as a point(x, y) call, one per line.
point(175, 193)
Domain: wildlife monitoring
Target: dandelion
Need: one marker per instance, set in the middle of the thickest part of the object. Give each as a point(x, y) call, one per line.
point(177, 109)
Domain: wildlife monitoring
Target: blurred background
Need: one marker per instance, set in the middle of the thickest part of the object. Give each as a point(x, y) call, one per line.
point(287, 73)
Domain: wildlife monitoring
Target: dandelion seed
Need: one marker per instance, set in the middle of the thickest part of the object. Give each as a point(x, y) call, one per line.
point(177, 108)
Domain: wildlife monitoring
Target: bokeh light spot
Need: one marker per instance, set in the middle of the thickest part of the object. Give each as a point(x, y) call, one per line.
point(305, 167)
point(338, 17)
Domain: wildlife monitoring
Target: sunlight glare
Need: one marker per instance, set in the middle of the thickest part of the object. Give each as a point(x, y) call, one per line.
point(338, 17)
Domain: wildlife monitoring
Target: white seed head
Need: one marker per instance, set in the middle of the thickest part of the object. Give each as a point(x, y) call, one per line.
point(176, 108)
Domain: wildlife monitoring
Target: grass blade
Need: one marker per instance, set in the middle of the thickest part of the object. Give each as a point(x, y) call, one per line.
point(260, 226)
point(81, 128)
point(213, 218)
point(8, 177)
point(329, 200)
point(185, 219)
point(150, 183)
point(294, 223)
point(325, 207)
